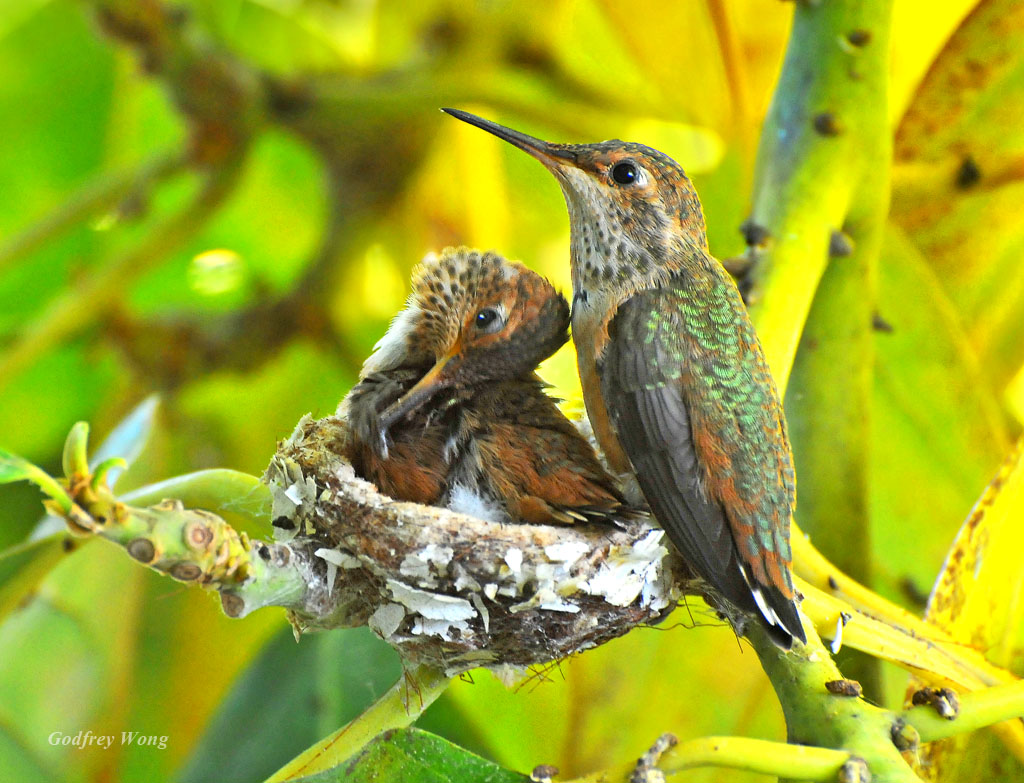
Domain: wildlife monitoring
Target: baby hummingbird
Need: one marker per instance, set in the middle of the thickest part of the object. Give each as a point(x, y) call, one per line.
point(448, 410)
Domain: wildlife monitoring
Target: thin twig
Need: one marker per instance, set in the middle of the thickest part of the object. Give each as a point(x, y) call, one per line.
point(76, 308)
point(99, 195)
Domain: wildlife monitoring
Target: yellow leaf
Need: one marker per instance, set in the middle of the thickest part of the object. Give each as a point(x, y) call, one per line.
point(979, 600)
point(959, 179)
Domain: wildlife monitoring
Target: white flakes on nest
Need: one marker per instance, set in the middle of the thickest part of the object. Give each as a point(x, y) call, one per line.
point(418, 565)
point(567, 552)
point(633, 571)
point(433, 606)
point(289, 491)
point(339, 557)
point(442, 628)
point(485, 616)
point(509, 675)
point(514, 560)
point(336, 559)
point(437, 614)
point(512, 574)
point(296, 493)
point(464, 581)
point(386, 619)
point(545, 598)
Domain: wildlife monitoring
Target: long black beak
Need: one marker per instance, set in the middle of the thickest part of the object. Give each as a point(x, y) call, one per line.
point(551, 155)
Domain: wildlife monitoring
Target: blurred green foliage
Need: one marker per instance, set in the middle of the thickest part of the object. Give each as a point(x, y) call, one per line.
point(265, 311)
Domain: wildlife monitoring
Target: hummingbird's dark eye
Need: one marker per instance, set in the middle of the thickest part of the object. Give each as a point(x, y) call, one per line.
point(488, 320)
point(624, 173)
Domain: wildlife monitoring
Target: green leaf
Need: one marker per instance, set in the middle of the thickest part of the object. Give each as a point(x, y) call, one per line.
point(242, 499)
point(289, 697)
point(14, 468)
point(413, 756)
point(24, 566)
point(75, 450)
point(52, 652)
point(937, 433)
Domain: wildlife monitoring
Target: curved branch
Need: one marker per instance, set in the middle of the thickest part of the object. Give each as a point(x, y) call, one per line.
point(400, 707)
point(977, 710)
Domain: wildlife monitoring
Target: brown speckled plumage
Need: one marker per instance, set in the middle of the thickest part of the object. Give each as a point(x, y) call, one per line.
point(446, 410)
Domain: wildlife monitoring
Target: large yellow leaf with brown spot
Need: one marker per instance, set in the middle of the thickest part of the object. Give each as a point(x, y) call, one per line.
point(958, 179)
point(978, 600)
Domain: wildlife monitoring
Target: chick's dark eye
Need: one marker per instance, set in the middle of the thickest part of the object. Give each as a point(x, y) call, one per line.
point(487, 319)
point(624, 173)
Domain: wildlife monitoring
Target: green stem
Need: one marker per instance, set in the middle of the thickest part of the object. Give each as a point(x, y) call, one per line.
point(416, 690)
point(823, 193)
point(816, 717)
point(819, 144)
point(95, 197)
point(977, 709)
point(750, 755)
point(754, 755)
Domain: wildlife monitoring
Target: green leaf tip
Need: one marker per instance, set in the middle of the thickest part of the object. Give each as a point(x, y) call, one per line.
point(99, 475)
point(14, 468)
point(75, 458)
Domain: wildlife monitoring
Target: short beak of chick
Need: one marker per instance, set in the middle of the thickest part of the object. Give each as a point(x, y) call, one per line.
point(427, 386)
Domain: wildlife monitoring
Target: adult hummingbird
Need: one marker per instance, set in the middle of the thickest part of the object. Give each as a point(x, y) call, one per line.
point(449, 411)
point(674, 378)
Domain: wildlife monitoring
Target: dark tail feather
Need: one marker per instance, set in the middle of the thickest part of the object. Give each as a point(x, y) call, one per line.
point(779, 615)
